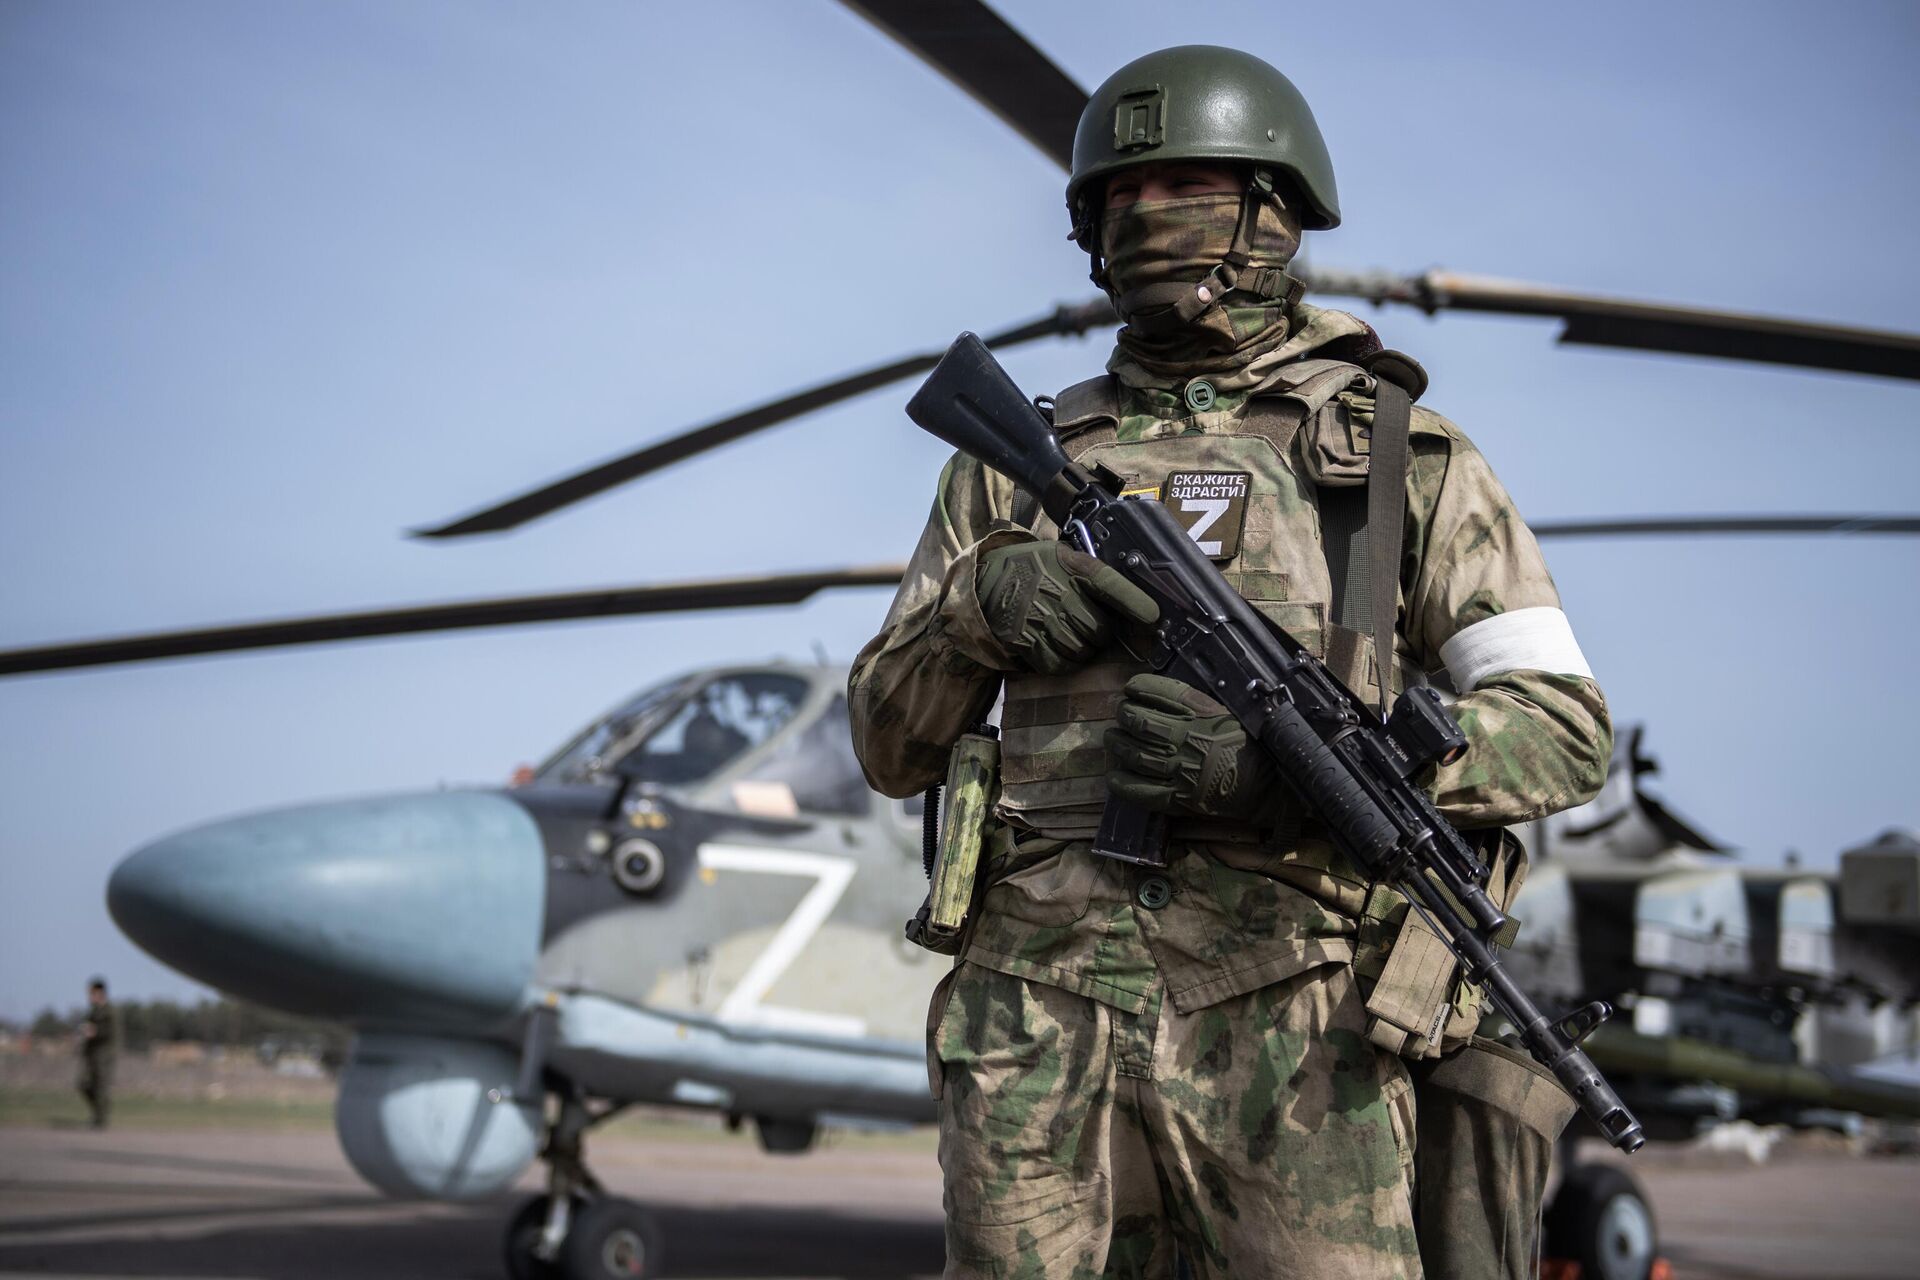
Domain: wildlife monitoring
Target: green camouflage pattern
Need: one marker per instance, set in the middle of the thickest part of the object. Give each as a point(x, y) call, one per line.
point(1240, 916)
point(1157, 397)
point(1166, 245)
point(919, 683)
point(1252, 907)
point(972, 787)
point(1260, 1136)
point(1055, 761)
point(1127, 1058)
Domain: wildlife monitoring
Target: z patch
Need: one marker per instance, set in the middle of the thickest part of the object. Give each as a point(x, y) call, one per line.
point(1212, 506)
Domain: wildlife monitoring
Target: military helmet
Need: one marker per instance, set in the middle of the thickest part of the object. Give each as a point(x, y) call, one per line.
point(1201, 102)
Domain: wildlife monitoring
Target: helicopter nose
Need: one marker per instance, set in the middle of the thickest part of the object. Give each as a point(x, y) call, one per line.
point(411, 909)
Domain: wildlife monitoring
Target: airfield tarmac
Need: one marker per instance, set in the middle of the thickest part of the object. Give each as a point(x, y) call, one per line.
point(283, 1205)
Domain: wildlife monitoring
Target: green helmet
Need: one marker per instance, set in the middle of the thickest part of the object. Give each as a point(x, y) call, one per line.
point(1201, 102)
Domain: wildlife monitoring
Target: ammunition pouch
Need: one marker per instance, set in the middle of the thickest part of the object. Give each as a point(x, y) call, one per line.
point(1419, 1005)
point(972, 790)
point(1486, 1119)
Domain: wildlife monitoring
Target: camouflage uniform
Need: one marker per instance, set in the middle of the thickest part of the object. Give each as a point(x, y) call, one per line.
point(1080, 1139)
point(1219, 1031)
point(1125, 1058)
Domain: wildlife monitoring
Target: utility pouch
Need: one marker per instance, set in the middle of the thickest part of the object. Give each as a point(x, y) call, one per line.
point(973, 787)
point(1418, 1005)
point(1486, 1119)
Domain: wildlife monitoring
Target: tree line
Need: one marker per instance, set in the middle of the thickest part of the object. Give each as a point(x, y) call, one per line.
point(144, 1023)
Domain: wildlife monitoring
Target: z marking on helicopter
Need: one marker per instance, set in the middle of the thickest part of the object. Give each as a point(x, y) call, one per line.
point(831, 875)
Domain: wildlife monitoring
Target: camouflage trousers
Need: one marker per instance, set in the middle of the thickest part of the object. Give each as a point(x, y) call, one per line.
point(1263, 1136)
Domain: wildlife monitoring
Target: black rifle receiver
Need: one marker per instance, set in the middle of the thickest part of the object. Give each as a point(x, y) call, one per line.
point(1352, 769)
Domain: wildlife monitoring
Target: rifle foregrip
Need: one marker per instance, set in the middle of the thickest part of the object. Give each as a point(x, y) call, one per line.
point(1325, 782)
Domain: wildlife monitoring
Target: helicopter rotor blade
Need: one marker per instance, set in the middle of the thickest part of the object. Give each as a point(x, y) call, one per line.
point(1712, 525)
point(1593, 320)
point(996, 66)
point(733, 593)
point(1063, 320)
point(604, 602)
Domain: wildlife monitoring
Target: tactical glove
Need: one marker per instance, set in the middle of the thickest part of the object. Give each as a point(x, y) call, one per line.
point(1178, 751)
point(1052, 607)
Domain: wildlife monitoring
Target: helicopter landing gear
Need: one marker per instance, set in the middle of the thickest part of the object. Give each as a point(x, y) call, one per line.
point(577, 1231)
point(1600, 1220)
point(524, 1232)
point(613, 1239)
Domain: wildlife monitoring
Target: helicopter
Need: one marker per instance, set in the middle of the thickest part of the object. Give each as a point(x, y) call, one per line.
point(1429, 292)
point(694, 902)
point(1758, 994)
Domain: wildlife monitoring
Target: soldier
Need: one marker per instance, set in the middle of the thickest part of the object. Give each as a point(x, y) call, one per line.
point(1131, 1061)
point(99, 1047)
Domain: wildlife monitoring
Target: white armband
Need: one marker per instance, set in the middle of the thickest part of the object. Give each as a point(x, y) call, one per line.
point(1538, 639)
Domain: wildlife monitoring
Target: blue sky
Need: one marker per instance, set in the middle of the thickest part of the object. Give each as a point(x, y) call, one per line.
point(279, 282)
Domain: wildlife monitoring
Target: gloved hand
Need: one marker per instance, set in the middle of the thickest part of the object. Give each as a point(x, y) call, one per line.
point(1053, 607)
point(1178, 751)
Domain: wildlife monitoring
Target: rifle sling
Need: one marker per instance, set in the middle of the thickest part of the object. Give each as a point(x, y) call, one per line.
point(1386, 512)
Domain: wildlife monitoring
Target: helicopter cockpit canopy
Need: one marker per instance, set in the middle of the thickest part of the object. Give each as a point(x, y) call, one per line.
point(722, 720)
point(586, 754)
point(683, 731)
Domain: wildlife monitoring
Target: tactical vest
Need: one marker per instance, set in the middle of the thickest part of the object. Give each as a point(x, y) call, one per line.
point(1292, 442)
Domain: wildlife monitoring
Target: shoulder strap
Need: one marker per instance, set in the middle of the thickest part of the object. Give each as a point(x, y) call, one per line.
point(1343, 530)
point(1386, 518)
point(1362, 528)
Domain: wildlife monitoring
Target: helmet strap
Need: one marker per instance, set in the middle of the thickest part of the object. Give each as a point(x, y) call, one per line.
point(1086, 234)
point(1191, 301)
point(1226, 276)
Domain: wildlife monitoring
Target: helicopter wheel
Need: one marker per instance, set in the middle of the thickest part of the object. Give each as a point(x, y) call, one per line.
point(524, 1230)
point(612, 1239)
point(1600, 1219)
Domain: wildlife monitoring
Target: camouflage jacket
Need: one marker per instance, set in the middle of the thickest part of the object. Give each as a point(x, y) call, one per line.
point(1241, 914)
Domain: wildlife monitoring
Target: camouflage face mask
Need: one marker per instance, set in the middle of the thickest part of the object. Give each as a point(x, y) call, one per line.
point(1160, 248)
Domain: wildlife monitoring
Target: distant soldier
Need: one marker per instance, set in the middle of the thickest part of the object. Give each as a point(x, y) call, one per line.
point(99, 1046)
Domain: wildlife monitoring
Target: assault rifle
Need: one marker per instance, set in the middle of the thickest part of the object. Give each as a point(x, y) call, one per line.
point(1354, 770)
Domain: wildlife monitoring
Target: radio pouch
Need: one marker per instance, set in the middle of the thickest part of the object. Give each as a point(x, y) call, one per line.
point(973, 788)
